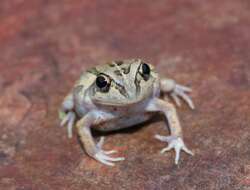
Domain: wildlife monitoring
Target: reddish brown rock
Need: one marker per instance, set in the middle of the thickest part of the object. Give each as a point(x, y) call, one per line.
point(44, 46)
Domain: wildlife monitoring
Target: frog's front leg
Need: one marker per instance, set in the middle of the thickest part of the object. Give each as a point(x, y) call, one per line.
point(176, 90)
point(175, 140)
point(92, 149)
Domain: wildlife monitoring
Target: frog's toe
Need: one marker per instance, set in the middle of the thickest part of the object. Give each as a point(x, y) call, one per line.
point(70, 120)
point(100, 144)
point(175, 143)
point(176, 99)
point(110, 152)
point(181, 91)
point(64, 120)
point(102, 157)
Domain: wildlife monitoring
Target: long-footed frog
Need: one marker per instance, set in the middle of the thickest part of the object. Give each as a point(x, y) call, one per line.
point(121, 94)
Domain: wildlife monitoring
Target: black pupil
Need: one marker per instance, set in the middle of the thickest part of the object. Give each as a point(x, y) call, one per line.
point(101, 82)
point(145, 69)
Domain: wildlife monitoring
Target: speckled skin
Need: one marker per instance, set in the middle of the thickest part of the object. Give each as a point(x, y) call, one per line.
point(131, 96)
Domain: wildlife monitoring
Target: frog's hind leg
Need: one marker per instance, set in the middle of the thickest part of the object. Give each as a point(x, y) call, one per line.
point(66, 114)
point(175, 91)
point(70, 120)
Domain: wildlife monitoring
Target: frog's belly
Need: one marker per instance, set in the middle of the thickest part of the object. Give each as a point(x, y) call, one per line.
point(123, 122)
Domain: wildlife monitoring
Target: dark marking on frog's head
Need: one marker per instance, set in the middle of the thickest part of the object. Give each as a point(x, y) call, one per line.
point(119, 62)
point(111, 64)
point(126, 70)
point(118, 73)
point(94, 71)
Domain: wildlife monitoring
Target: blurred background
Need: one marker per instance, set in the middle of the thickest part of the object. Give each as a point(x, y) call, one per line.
point(44, 47)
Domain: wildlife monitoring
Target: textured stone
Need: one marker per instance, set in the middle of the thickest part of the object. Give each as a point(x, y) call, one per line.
point(46, 44)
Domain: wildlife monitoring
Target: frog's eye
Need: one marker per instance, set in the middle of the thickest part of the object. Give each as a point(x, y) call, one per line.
point(103, 83)
point(145, 71)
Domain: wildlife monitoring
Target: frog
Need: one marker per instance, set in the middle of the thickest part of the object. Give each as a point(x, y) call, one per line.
point(122, 94)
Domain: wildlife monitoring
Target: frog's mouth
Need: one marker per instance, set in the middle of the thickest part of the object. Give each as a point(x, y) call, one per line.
point(121, 101)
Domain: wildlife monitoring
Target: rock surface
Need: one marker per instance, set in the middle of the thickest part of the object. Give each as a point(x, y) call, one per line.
point(46, 44)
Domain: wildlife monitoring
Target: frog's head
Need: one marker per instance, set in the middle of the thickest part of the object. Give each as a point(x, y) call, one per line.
point(122, 83)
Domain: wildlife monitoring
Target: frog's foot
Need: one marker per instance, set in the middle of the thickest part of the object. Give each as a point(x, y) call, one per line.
point(176, 143)
point(69, 118)
point(180, 91)
point(102, 156)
